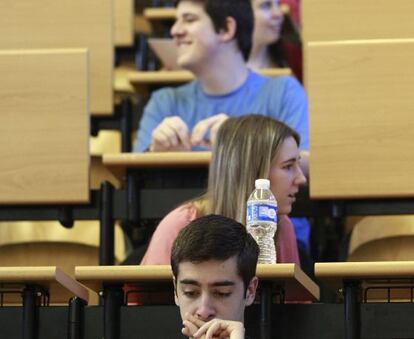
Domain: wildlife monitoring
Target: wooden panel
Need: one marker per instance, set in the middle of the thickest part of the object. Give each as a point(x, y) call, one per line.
point(361, 118)
point(325, 20)
point(158, 159)
point(119, 163)
point(44, 127)
point(372, 273)
point(181, 76)
point(124, 22)
point(49, 277)
point(26, 24)
point(297, 284)
point(157, 13)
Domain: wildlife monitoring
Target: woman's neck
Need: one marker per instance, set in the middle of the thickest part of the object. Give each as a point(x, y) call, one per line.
point(259, 58)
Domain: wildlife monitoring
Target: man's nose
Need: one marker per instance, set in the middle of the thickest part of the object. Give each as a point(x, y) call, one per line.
point(176, 29)
point(205, 310)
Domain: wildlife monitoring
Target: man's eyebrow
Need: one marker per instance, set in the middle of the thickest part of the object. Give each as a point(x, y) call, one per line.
point(223, 283)
point(214, 284)
point(188, 15)
point(189, 282)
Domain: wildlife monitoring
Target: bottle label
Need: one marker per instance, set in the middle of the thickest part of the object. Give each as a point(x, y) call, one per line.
point(261, 212)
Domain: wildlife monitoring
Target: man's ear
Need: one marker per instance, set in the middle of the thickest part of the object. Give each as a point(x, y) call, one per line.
point(175, 292)
point(228, 33)
point(251, 291)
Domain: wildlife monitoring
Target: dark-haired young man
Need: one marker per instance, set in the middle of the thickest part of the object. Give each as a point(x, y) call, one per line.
point(214, 266)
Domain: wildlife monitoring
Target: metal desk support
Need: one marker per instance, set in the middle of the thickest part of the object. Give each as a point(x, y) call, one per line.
point(30, 313)
point(113, 299)
point(352, 310)
point(265, 309)
point(76, 318)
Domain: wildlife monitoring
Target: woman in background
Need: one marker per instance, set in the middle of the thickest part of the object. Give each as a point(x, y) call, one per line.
point(268, 49)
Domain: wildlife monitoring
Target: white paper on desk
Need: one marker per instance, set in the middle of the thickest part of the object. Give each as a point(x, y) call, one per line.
point(166, 51)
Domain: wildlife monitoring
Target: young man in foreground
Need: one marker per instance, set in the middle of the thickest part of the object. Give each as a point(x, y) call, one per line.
point(214, 263)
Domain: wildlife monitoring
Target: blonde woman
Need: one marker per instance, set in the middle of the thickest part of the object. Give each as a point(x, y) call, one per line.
point(246, 148)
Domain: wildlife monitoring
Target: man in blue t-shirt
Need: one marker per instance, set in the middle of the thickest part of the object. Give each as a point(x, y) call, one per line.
point(214, 41)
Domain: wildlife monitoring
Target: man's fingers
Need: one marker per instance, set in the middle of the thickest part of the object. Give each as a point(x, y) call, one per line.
point(190, 328)
point(183, 135)
point(171, 134)
point(159, 138)
point(180, 129)
point(212, 329)
point(201, 129)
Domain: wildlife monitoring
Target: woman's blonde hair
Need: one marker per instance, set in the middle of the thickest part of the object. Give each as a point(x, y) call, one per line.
point(244, 150)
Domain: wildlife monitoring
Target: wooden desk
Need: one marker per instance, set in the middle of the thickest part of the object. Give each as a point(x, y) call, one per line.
point(356, 277)
point(288, 278)
point(177, 77)
point(66, 24)
point(50, 278)
point(169, 178)
point(34, 280)
point(120, 162)
point(295, 282)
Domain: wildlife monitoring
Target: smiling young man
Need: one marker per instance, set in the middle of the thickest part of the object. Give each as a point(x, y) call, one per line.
point(214, 39)
point(214, 266)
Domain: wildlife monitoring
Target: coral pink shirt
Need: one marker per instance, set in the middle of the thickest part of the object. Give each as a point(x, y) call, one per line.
point(159, 249)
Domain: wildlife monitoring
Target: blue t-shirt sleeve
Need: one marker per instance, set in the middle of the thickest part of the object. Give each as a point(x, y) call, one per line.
point(296, 110)
point(158, 107)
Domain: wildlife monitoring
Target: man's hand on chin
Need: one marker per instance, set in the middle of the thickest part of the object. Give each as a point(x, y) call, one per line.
point(213, 329)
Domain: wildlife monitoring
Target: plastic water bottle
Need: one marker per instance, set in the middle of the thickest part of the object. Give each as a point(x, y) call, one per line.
point(261, 220)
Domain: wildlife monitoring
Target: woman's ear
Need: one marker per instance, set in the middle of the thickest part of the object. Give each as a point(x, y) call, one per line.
point(228, 33)
point(251, 291)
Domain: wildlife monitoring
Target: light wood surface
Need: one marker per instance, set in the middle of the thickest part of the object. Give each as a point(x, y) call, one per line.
point(118, 163)
point(181, 76)
point(325, 20)
point(382, 238)
point(88, 24)
point(295, 282)
point(160, 13)
point(44, 127)
point(156, 13)
point(51, 278)
point(380, 273)
point(157, 159)
point(121, 80)
point(361, 113)
point(124, 27)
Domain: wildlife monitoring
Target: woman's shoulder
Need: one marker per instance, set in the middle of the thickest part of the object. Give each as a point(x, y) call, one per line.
point(180, 216)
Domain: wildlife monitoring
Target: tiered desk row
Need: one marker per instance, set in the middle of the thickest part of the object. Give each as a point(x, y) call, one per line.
point(370, 316)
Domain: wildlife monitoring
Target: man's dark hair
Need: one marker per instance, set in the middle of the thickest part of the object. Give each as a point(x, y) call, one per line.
point(240, 10)
point(214, 237)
